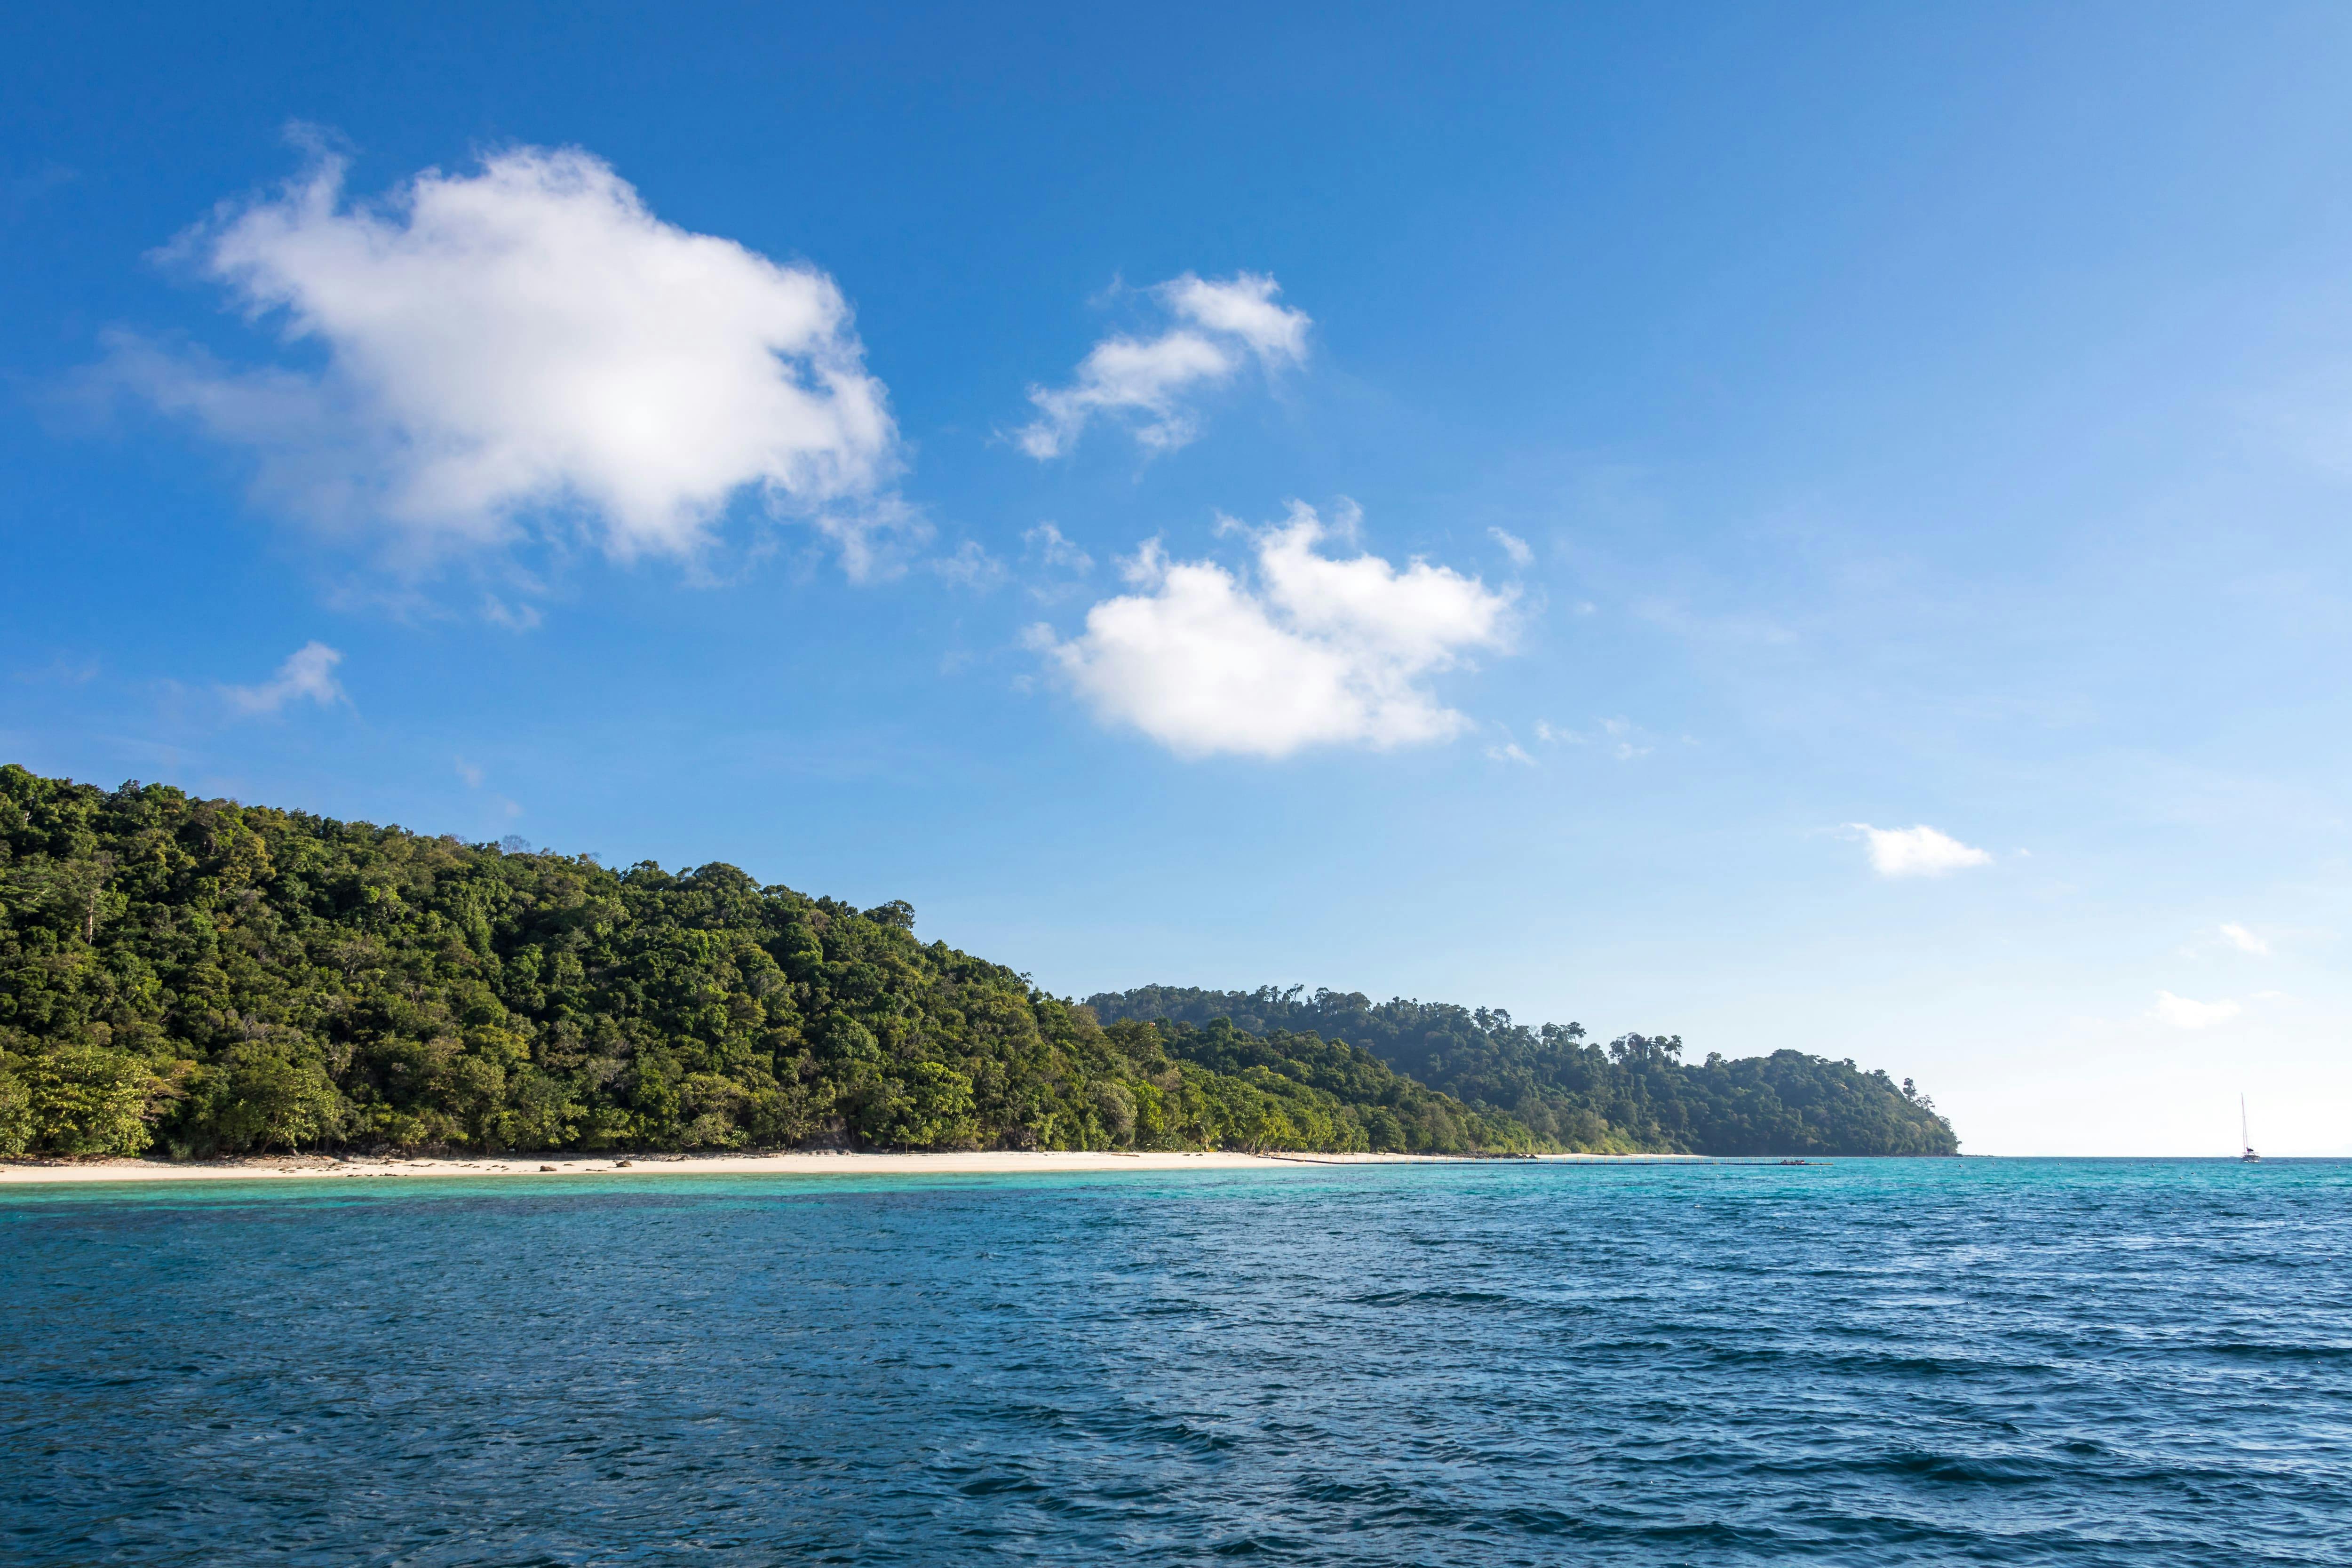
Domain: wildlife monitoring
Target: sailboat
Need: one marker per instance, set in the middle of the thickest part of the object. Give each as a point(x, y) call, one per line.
point(2245, 1144)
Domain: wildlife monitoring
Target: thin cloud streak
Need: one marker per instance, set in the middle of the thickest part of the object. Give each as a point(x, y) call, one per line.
point(1149, 383)
point(307, 676)
point(2244, 941)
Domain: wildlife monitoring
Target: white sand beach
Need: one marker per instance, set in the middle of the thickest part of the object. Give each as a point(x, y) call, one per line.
point(22, 1173)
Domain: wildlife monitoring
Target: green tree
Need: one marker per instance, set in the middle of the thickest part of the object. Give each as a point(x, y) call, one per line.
point(924, 1105)
point(85, 1100)
point(16, 1115)
point(1634, 1094)
point(261, 1096)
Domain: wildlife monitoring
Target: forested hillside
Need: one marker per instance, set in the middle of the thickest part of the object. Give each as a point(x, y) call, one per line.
point(199, 976)
point(1635, 1093)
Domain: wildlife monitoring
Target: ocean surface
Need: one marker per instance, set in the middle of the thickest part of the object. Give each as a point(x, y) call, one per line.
point(1869, 1362)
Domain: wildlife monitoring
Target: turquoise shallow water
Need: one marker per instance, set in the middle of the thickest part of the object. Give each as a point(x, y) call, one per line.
point(2142, 1363)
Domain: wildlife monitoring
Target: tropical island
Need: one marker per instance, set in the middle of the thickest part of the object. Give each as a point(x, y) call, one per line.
point(197, 978)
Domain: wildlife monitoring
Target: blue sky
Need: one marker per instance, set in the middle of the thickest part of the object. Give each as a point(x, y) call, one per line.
point(1493, 507)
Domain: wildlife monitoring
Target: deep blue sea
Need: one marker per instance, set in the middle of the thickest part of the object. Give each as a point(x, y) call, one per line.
point(1870, 1362)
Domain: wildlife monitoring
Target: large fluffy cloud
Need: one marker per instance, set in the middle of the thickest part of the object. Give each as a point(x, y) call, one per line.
point(1319, 650)
point(529, 339)
point(1221, 327)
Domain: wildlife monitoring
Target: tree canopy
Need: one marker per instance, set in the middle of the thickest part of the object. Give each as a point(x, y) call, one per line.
point(1634, 1094)
point(201, 976)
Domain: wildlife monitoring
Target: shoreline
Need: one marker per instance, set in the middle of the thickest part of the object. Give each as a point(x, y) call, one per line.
point(990, 1163)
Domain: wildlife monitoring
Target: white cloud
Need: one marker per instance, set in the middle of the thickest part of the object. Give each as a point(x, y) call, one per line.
point(1148, 381)
point(514, 617)
point(971, 566)
point(308, 675)
point(473, 776)
point(1054, 550)
point(1316, 651)
point(1060, 564)
point(876, 540)
point(1243, 307)
point(2244, 941)
point(1917, 851)
point(1727, 630)
point(1510, 752)
point(1522, 555)
point(2183, 1014)
point(1620, 737)
point(528, 340)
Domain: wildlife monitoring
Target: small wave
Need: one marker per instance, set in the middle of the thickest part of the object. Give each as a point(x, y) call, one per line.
point(1963, 1369)
point(2253, 1350)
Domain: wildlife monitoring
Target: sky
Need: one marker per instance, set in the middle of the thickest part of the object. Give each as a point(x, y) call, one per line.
point(1803, 527)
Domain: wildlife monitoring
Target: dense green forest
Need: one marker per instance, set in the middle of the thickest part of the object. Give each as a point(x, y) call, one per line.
point(1637, 1093)
point(195, 976)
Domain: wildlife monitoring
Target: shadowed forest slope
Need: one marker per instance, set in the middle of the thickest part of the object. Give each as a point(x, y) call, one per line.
point(1635, 1093)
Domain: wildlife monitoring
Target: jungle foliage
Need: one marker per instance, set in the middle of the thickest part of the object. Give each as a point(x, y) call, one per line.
point(1634, 1094)
point(198, 976)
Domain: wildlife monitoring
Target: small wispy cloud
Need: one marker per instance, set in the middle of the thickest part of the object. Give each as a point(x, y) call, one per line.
point(519, 617)
point(307, 676)
point(971, 566)
point(1733, 629)
point(40, 182)
point(1047, 542)
point(1510, 752)
point(1920, 851)
point(473, 774)
point(878, 540)
point(1619, 738)
point(2182, 1013)
point(2244, 941)
point(1149, 383)
point(1057, 566)
point(60, 671)
point(1521, 553)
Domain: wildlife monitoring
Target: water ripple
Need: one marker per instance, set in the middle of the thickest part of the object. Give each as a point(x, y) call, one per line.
point(2076, 1362)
